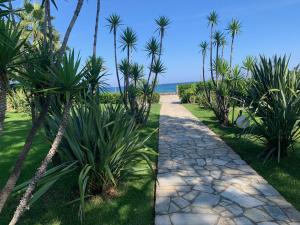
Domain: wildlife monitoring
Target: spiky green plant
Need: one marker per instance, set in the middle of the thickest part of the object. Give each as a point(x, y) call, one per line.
point(275, 106)
point(234, 28)
point(248, 64)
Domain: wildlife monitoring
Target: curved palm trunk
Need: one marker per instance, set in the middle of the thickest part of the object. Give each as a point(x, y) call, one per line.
point(3, 104)
point(43, 167)
point(14, 176)
point(96, 28)
point(70, 27)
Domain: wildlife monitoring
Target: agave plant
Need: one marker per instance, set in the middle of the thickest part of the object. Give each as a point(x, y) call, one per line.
point(275, 106)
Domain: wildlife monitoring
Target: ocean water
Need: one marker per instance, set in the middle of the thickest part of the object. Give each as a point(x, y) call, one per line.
point(161, 88)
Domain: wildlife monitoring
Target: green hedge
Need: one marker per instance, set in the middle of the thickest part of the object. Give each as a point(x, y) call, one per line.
point(115, 98)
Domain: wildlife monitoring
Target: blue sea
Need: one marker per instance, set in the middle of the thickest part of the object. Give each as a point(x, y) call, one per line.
point(161, 88)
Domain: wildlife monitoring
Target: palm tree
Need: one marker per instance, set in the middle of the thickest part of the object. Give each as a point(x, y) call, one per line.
point(96, 28)
point(234, 28)
point(204, 47)
point(212, 22)
point(10, 53)
point(248, 64)
point(68, 80)
point(114, 23)
point(128, 44)
point(223, 45)
point(128, 41)
point(137, 72)
point(236, 77)
point(162, 22)
point(217, 41)
point(152, 48)
point(34, 78)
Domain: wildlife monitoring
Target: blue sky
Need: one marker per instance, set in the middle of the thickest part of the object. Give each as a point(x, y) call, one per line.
point(269, 27)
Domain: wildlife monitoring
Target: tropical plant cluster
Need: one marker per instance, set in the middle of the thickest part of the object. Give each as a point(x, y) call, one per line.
point(98, 141)
point(266, 88)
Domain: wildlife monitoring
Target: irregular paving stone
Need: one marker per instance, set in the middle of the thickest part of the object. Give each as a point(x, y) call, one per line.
point(201, 180)
point(180, 202)
point(193, 219)
point(275, 212)
point(241, 198)
point(206, 200)
point(242, 221)
point(257, 215)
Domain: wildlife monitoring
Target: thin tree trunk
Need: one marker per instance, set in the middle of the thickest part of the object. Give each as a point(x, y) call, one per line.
point(3, 104)
point(211, 57)
point(13, 178)
point(116, 65)
point(43, 167)
point(204, 81)
point(70, 27)
point(96, 29)
point(48, 18)
point(231, 51)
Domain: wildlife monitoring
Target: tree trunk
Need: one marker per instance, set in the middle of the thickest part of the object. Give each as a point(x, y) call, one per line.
point(13, 178)
point(96, 29)
point(43, 167)
point(48, 19)
point(70, 27)
point(204, 81)
point(116, 63)
point(3, 102)
point(231, 52)
point(211, 57)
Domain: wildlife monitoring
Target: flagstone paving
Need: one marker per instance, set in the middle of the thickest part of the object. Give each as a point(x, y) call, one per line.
point(202, 181)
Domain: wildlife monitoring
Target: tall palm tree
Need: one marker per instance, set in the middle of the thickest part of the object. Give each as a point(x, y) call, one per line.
point(114, 22)
point(10, 53)
point(212, 22)
point(217, 41)
point(68, 80)
point(248, 64)
point(234, 28)
point(162, 22)
point(128, 44)
point(96, 29)
point(152, 48)
point(223, 45)
point(204, 47)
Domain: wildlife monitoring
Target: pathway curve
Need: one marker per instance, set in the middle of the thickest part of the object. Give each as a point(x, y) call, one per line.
point(201, 181)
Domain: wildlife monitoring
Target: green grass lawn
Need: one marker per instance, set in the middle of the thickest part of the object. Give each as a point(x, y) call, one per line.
point(285, 176)
point(133, 206)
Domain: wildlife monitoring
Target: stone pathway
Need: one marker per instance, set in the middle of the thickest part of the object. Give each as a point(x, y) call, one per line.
point(201, 181)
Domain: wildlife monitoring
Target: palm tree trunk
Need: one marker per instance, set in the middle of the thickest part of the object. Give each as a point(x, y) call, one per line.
point(70, 27)
point(116, 65)
point(43, 167)
point(231, 51)
point(211, 57)
point(217, 59)
point(204, 81)
point(96, 28)
point(3, 104)
point(13, 178)
point(48, 18)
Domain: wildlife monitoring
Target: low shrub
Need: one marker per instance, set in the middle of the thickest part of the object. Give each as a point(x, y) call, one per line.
point(115, 98)
point(17, 101)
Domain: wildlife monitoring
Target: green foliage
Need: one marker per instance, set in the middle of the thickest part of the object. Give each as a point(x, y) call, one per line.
point(155, 97)
point(275, 106)
point(103, 144)
point(17, 101)
point(116, 98)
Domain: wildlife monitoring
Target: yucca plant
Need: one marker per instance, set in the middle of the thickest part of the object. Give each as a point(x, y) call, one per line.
point(103, 145)
point(275, 106)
